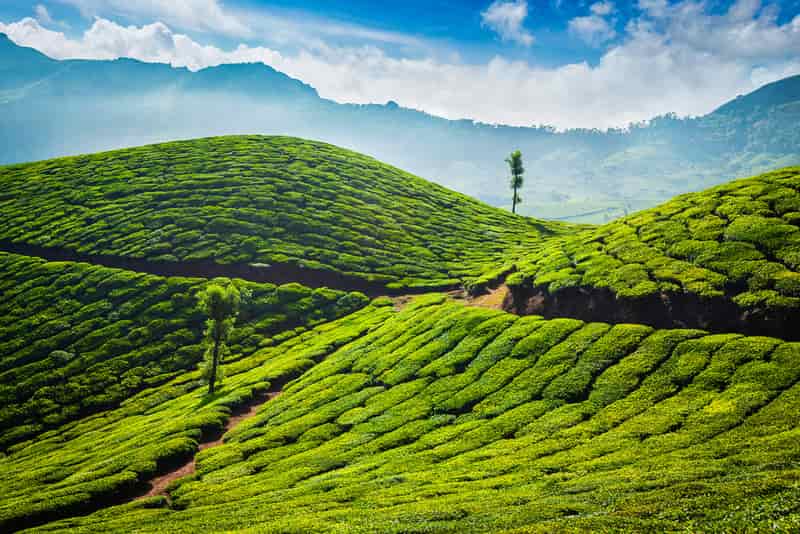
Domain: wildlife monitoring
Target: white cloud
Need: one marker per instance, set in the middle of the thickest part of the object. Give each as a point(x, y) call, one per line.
point(654, 8)
point(746, 32)
point(592, 29)
point(680, 58)
point(506, 19)
point(602, 8)
point(42, 15)
point(595, 29)
point(152, 42)
point(196, 15)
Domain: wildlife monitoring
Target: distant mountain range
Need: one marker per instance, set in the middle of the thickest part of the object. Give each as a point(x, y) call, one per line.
point(50, 108)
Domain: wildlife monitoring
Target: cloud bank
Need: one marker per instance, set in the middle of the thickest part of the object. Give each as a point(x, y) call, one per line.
point(197, 15)
point(672, 57)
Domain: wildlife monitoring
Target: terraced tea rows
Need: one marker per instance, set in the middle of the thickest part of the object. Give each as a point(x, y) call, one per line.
point(78, 339)
point(110, 457)
point(280, 201)
point(443, 417)
point(726, 258)
point(413, 415)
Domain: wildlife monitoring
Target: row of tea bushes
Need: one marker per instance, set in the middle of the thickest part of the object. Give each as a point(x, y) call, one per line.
point(739, 240)
point(266, 200)
point(77, 338)
point(443, 418)
point(110, 456)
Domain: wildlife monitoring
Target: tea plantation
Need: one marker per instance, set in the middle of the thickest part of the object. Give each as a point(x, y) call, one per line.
point(262, 200)
point(108, 457)
point(78, 339)
point(739, 241)
point(446, 418)
point(423, 413)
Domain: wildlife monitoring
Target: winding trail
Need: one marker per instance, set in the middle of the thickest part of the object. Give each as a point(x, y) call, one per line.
point(495, 298)
point(159, 484)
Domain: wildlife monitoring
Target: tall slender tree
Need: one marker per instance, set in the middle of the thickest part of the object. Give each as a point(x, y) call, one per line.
point(221, 306)
point(514, 161)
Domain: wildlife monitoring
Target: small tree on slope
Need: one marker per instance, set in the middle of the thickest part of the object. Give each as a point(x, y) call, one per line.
point(514, 161)
point(221, 306)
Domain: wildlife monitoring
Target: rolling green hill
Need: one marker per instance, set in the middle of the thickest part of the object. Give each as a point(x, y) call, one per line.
point(262, 200)
point(408, 414)
point(77, 339)
point(442, 418)
point(728, 256)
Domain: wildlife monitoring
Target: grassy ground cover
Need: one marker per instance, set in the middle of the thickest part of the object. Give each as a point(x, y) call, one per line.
point(446, 418)
point(739, 240)
point(262, 200)
point(78, 339)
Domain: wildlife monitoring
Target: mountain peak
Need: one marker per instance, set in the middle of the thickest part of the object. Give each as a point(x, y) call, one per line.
point(21, 65)
point(770, 95)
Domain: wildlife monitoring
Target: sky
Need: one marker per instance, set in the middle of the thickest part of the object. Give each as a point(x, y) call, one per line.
point(568, 64)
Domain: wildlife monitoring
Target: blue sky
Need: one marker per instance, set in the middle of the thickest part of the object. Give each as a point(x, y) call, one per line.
point(568, 63)
point(454, 26)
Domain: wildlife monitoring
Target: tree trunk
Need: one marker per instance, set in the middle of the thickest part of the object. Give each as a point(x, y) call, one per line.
point(514, 202)
point(212, 380)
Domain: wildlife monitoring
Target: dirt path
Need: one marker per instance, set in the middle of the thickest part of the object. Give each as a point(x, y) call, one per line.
point(158, 485)
point(495, 299)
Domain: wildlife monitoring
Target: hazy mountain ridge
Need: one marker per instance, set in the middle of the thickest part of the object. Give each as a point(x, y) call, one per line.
point(55, 108)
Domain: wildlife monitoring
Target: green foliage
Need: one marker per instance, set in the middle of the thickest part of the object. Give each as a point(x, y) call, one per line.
point(435, 417)
point(442, 417)
point(738, 241)
point(262, 200)
point(517, 170)
point(77, 339)
point(221, 306)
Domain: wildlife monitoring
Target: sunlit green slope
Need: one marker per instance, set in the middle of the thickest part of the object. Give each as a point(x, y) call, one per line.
point(738, 241)
point(263, 200)
point(78, 339)
point(446, 418)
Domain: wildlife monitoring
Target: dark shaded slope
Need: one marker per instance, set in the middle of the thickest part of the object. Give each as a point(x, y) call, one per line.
point(662, 310)
point(283, 273)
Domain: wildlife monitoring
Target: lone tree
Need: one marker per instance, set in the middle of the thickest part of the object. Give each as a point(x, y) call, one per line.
point(514, 161)
point(221, 306)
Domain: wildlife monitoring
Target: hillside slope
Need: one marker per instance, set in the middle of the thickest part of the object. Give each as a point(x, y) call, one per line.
point(78, 339)
point(289, 203)
point(412, 414)
point(443, 418)
point(727, 259)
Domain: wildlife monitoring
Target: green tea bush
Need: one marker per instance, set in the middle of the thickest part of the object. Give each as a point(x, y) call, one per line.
point(739, 240)
point(263, 200)
point(536, 425)
point(79, 338)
